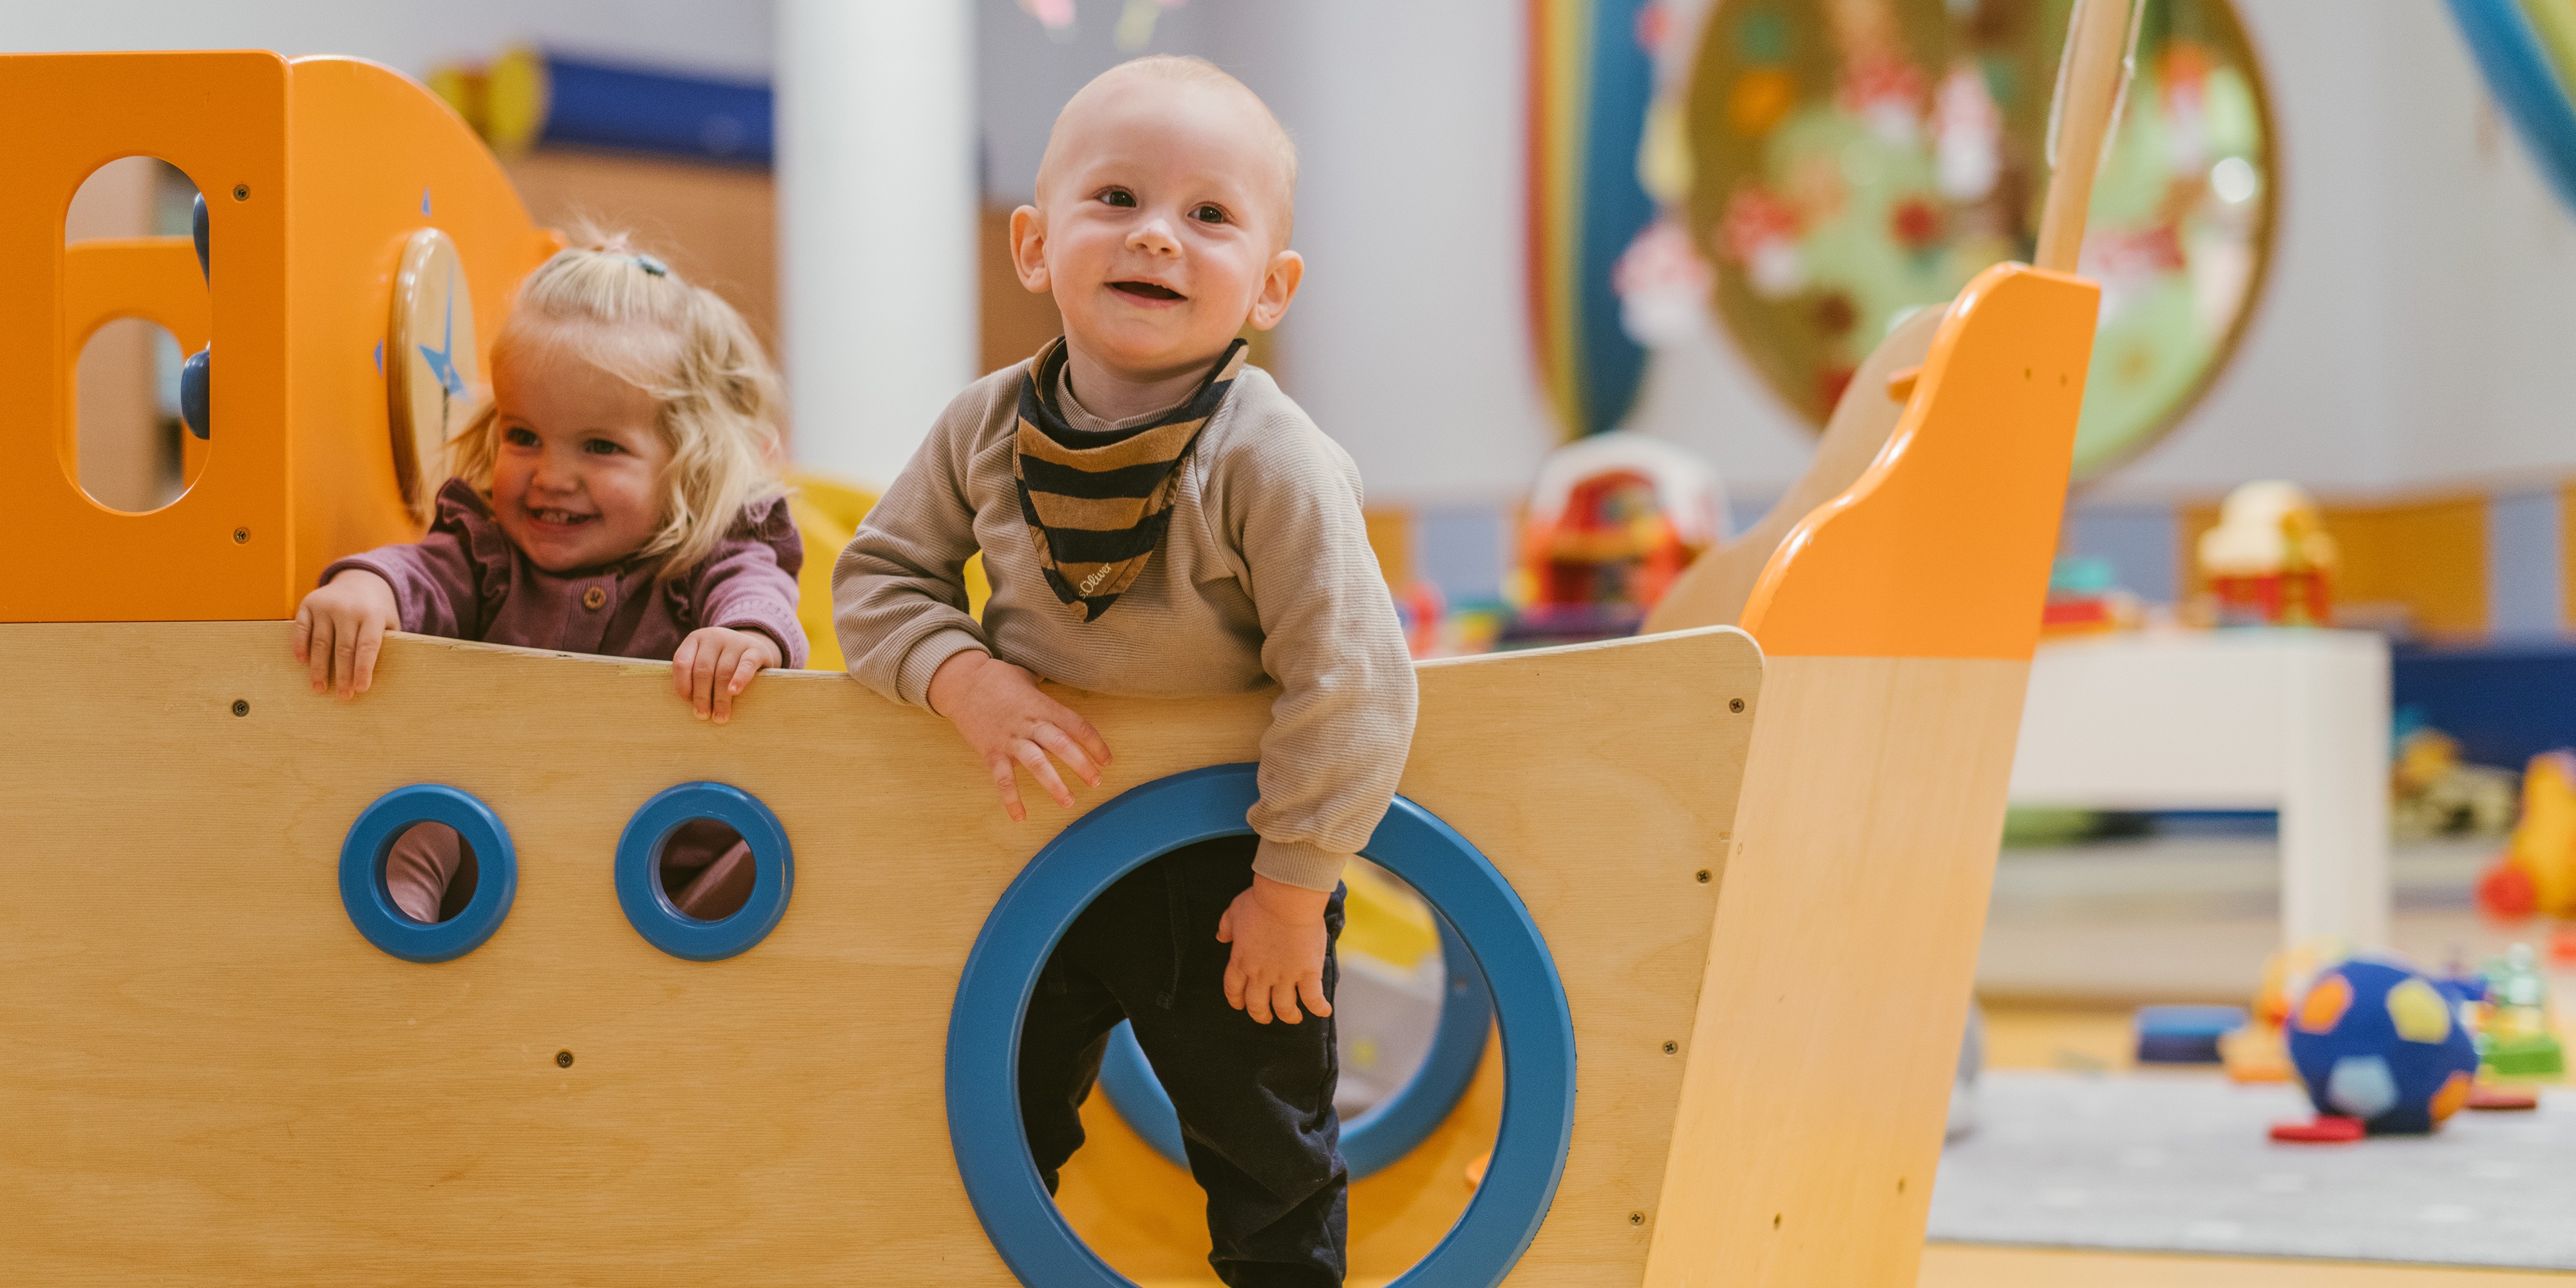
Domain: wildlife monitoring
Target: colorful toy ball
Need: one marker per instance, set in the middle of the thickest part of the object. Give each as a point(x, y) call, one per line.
point(2376, 1041)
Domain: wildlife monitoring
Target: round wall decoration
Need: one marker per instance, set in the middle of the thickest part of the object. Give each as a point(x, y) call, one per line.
point(1856, 160)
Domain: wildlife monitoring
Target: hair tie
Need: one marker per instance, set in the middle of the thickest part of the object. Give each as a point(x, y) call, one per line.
point(651, 265)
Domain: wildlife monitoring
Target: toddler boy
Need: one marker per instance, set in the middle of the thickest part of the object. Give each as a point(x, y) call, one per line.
point(1156, 517)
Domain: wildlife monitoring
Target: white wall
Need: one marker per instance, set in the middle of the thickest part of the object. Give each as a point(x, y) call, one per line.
point(716, 37)
point(1408, 342)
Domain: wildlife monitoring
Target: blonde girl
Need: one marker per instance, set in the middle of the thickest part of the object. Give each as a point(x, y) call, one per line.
point(614, 497)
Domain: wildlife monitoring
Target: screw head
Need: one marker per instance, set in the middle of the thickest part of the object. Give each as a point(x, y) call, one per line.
point(563, 1059)
point(1735, 705)
point(240, 707)
point(241, 536)
point(1672, 1048)
point(241, 192)
point(1636, 1218)
point(1704, 876)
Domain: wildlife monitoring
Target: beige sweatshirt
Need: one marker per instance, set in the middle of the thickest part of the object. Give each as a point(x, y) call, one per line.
point(1265, 575)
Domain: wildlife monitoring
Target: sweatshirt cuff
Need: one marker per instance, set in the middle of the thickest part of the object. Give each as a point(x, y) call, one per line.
point(912, 679)
point(788, 635)
point(1294, 863)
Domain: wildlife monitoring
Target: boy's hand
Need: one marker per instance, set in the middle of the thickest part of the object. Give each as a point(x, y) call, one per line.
point(716, 662)
point(999, 710)
point(340, 628)
point(1278, 935)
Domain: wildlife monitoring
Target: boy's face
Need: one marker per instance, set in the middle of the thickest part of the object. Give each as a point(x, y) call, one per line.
point(1161, 224)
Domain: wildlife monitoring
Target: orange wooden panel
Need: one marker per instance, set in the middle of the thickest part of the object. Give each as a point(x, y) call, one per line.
point(2429, 555)
point(135, 277)
point(2190, 521)
point(1942, 548)
point(2567, 555)
point(377, 157)
point(147, 277)
point(1390, 537)
point(221, 118)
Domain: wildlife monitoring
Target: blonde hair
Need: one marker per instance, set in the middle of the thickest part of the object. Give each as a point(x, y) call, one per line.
point(719, 395)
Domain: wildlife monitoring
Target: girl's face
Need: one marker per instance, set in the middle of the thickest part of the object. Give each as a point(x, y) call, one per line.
point(577, 473)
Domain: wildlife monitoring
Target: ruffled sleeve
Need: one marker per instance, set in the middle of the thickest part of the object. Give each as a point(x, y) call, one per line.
point(749, 584)
point(450, 581)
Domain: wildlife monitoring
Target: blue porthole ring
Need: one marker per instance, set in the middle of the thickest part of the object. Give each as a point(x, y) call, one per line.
point(1391, 1128)
point(984, 1127)
point(362, 873)
point(639, 885)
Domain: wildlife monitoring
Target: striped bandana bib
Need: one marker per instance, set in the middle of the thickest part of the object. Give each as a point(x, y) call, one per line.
point(1097, 504)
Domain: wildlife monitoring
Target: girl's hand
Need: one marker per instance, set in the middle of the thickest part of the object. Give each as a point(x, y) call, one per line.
point(340, 628)
point(1278, 935)
point(715, 663)
point(999, 710)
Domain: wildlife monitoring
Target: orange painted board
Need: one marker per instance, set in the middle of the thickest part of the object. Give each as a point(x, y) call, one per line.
point(2429, 555)
point(221, 119)
point(377, 158)
point(1942, 548)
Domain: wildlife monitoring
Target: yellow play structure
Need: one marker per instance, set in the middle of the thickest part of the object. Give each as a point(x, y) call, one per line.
point(1727, 897)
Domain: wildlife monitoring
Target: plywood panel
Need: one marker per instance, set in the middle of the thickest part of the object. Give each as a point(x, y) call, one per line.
point(213, 1078)
point(1839, 979)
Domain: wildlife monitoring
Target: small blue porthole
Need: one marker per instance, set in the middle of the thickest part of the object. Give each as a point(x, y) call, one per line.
point(1374, 1138)
point(984, 1127)
point(480, 841)
point(748, 917)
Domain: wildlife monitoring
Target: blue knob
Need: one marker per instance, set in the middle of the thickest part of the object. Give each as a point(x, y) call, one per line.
point(192, 386)
point(197, 232)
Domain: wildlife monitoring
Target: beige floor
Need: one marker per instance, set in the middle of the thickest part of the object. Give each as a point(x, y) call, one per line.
point(1958, 1266)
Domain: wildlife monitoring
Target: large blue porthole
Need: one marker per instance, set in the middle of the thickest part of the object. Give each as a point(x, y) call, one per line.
point(1494, 931)
point(362, 873)
point(1374, 1138)
point(639, 879)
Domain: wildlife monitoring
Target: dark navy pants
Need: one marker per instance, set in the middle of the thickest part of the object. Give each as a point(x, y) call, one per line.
point(1255, 1100)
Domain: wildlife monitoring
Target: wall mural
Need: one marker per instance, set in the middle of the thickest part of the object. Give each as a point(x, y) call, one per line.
point(1853, 160)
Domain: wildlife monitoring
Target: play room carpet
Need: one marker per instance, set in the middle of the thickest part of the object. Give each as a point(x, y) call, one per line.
point(2179, 1162)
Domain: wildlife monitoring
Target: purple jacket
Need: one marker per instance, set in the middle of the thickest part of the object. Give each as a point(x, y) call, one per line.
point(466, 581)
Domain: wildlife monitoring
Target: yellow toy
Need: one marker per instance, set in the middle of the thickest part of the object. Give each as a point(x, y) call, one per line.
point(2538, 870)
point(1729, 1032)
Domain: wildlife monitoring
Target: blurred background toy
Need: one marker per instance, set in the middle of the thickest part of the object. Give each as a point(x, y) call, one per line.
point(2269, 561)
point(2258, 1052)
point(2537, 872)
point(2373, 1040)
point(1612, 520)
point(2515, 1037)
point(2085, 598)
point(2185, 1034)
point(2433, 792)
